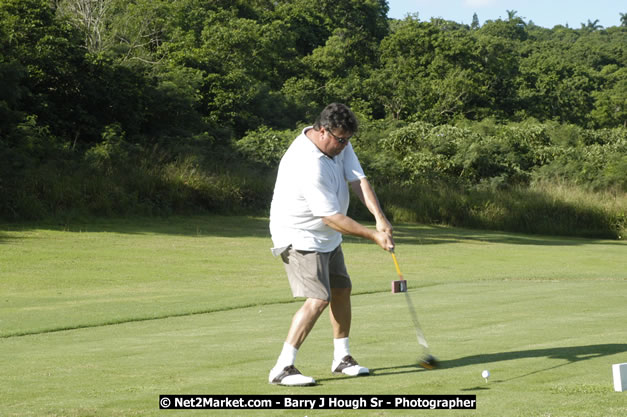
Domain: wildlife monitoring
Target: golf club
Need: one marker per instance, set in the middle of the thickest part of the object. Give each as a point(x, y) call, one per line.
point(427, 360)
point(399, 285)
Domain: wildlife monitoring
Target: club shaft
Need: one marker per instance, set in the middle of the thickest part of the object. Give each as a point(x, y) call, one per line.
point(398, 269)
point(422, 341)
point(414, 317)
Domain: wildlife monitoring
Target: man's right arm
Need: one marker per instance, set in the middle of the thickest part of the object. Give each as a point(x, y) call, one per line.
point(366, 194)
point(348, 226)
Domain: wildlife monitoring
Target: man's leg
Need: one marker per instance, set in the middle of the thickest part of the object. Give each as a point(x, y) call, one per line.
point(304, 320)
point(340, 314)
point(284, 372)
point(308, 275)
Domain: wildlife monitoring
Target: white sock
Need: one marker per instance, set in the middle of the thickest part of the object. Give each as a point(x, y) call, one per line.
point(341, 348)
point(287, 356)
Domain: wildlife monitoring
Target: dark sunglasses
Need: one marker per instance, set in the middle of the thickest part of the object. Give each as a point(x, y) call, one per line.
point(340, 140)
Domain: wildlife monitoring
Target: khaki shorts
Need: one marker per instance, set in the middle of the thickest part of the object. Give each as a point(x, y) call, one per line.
point(313, 274)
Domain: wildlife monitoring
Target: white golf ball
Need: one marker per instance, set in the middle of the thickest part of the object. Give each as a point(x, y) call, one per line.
point(485, 374)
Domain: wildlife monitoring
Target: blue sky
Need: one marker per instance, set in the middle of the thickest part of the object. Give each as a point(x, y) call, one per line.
point(546, 13)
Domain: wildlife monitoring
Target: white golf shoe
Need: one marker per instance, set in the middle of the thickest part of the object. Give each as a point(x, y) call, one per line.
point(349, 366)
point(290, 377)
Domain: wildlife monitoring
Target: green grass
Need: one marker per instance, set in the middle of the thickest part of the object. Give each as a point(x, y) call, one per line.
point(98, 319)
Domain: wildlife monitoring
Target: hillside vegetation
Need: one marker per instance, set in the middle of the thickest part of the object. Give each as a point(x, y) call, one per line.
point(155, 107)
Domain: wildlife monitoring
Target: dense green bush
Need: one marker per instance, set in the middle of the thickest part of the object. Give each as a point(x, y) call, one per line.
point(598, 160)
point(265, 145)
point(505, 155)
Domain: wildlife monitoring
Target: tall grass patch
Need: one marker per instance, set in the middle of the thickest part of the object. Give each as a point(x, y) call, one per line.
point(118, 179)
point(541, 208)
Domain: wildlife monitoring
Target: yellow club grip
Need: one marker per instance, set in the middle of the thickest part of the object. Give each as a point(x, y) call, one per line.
point(398, 270)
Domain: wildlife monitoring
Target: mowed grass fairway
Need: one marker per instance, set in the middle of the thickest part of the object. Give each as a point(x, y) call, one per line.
point(99, 319)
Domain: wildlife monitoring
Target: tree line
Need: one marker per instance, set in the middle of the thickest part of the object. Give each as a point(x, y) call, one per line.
point(96, 88)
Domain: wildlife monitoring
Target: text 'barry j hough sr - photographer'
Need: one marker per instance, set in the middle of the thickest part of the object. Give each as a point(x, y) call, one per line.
point(312, 402)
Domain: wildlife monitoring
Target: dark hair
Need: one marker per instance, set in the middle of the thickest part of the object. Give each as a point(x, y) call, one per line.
point(337, 116)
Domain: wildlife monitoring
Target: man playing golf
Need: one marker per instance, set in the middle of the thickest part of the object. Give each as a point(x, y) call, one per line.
point(307, 220)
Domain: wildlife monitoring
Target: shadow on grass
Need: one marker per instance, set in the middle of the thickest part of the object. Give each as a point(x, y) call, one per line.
point(569, 354)
point(6, 238)
point(3, 238)
point(250, 226)
point(391, 370)
point(415, 234)
point(201, 226)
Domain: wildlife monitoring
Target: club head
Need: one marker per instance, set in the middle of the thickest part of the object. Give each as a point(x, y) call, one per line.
point(429, 362)
point(399, 286)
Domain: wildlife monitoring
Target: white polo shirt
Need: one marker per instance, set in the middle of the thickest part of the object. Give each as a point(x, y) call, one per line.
point(309, 186)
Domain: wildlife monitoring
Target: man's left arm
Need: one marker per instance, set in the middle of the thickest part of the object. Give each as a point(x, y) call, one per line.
point(366, 194)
